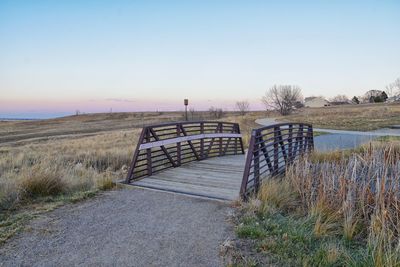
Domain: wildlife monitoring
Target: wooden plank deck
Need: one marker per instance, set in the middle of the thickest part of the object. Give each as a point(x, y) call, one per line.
point(218, 178)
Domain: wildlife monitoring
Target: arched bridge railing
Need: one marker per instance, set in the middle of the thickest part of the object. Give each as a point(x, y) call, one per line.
point(171, 144)
point(271, 149)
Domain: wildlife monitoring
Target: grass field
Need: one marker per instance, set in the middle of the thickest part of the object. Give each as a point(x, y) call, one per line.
point(363, 117)
point(27, 132)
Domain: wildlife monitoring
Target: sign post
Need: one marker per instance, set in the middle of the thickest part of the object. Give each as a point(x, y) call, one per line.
point(186, 102)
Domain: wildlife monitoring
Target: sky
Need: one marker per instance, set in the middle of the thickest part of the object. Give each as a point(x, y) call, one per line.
point(57, 57)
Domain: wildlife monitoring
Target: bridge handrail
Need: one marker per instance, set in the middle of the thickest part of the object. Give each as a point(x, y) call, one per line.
point(285, 142)
point(169, 145)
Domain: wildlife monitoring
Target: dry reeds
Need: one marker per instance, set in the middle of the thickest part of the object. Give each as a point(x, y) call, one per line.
point(357, 195)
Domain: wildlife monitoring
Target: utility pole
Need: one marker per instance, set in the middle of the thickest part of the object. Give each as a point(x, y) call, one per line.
point(186, 102)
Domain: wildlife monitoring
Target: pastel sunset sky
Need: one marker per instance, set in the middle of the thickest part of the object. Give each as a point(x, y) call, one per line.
point(60, 56)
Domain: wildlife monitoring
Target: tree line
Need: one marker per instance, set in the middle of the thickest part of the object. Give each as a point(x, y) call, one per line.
point(286, 98)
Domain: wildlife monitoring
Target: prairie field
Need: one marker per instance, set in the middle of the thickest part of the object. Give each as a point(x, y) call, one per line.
point(27, 132)
point(362, 117)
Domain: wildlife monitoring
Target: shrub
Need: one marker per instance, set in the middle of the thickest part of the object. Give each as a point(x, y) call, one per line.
point(106, 183)
point(9, 195)
point(41, 181)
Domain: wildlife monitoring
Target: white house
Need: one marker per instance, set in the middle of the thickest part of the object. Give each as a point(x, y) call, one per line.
point(392, 99)
point(315, 102)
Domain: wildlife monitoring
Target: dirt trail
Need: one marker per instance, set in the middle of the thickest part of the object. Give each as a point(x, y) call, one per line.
point(129, 227)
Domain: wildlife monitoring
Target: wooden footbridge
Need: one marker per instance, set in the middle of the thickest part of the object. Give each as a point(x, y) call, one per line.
point(208, 159)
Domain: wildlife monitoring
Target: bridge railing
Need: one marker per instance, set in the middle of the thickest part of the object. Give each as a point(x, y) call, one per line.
point(271, 150)
point(169, 145)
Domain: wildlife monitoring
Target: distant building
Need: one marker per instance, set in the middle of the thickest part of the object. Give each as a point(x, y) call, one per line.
point(337, 103)
point(392, 99)
point(315, 102)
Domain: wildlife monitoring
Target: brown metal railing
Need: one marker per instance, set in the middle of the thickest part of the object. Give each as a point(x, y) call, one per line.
point(169, 145)
point(271, 150)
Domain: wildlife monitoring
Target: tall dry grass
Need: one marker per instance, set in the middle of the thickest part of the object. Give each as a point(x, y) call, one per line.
point(63, 167)
point(356, 196)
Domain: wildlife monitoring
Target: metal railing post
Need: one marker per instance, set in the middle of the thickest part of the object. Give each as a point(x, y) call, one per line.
point(276, 150)
point(148, 153)
point(178, 145)
point(202, 141)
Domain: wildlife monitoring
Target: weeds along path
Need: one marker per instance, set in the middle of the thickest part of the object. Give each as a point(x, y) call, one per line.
point(128, 227)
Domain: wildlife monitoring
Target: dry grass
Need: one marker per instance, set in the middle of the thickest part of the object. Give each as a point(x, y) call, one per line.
point(63, 166)
point(41, 182)
point(339, 209)
point(27, 132)
point(59, 171)
point(359, 195)
point(349, 117)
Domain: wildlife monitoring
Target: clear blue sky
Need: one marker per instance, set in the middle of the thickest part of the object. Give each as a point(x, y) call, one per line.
point(58, 56)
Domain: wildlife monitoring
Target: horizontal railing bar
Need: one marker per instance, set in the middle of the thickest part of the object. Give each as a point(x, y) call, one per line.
point(190, 122)
point(295, 131)
point(304, 132)
point(278, 142)
point(172, 136)
point(173, 150)
point(271, 153)
point(280, 161)
point(277, 171)
point(187, 138)
point(281, 124)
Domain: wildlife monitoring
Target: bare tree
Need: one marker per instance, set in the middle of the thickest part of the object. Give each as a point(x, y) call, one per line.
point(340, 98)
point(192, 112)
point(216, 113)
point(243, 107)
point(396, 85)
point(282, 98)
point(393, 88)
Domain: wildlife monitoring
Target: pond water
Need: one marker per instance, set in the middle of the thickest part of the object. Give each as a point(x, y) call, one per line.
point(332, 142)
point(341, 140)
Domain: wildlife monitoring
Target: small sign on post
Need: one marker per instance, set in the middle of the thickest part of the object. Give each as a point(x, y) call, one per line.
point(186, 102)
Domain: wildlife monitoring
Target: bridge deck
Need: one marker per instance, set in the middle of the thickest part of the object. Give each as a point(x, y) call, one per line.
point(218, 178)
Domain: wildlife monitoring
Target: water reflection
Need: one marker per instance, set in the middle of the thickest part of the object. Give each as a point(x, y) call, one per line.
point(331, 142)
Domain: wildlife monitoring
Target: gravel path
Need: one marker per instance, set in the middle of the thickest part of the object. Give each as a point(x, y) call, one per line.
point(129, 227)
